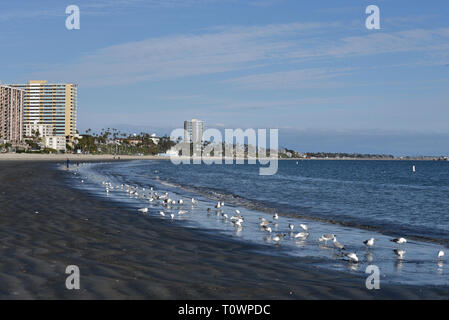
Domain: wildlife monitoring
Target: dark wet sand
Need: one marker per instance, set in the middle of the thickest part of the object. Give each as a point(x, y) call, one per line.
point(123, 255)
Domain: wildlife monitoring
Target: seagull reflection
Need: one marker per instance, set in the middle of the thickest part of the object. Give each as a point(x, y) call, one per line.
point(398, 264)
point(353, 266)
point(238, 231)
point(267, 239)
point(369, 256)
point(301, 243)
point(440, 265)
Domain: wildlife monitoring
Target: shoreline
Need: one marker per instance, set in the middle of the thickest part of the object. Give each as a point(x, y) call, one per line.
point(106, 157)
point(123, 255)
point(73, 157)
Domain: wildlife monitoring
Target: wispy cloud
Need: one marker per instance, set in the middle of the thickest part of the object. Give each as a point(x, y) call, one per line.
point(240, 48)
point(293, 79)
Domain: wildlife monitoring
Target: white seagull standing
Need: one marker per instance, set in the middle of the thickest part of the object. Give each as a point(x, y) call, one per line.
point(369, 243)
point(264, 223)
point(144, 210)
point(304, 227)
point(399, 240)
point(275, 217)
point(337, 244)
point(440, 254)
point(326, 238)
point(352, 257)
point(267, 229)
point(301, 235)
point(277, 238)
point(238, 222)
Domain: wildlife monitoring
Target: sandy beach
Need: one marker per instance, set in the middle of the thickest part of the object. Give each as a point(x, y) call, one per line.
point(71, 157)
point(45, 225)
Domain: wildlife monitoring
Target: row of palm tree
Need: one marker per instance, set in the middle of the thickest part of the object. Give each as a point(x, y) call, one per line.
point(93, 142)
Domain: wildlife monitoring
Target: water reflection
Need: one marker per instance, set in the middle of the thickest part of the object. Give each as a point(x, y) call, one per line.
point(398, 264)
point(440, 265)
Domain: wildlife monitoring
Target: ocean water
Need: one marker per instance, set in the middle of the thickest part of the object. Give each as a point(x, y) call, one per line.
point(355, 200)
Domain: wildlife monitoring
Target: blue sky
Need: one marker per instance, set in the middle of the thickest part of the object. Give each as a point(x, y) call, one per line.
point(309, 68)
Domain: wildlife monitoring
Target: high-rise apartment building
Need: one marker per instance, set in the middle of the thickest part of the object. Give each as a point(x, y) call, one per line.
point(50, 104)
point(11, 114)
point(193, 131)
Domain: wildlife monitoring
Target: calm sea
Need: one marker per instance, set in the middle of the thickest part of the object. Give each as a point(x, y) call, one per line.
point(352, 199)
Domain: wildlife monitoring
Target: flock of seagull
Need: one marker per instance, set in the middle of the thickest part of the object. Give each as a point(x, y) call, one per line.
point(172, 206)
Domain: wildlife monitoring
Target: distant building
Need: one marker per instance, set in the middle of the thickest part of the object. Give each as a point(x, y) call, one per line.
point(193, 133)
point(155, 138)
point(43, 129)
point(55, 142)
point(51, 104)
point(11, 114)
point(134, 141)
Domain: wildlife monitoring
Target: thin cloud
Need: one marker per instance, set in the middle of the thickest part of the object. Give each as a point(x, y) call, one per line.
point(240, 49)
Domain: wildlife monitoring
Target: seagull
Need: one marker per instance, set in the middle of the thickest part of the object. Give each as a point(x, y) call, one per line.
point(264, 223)
point(162, 213)
point(277, 238)
point(399, 240)
point(181, 212)
point(440, 254)
point(337, 244)
point(267, 228)
point(369, 242)
point(180, 201)
point(275, 217)
point(237, 222)
point(237, 211)
point(326, 238)
point(302, 235)
point(194, 201)
point(291, 226)
point(400, 253)
point(352, 257)
point(144, 210)
point(304, 227)
point(172, 216)
point(218, 205)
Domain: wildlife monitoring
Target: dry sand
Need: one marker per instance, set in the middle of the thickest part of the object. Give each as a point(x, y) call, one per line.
point(45, 226)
